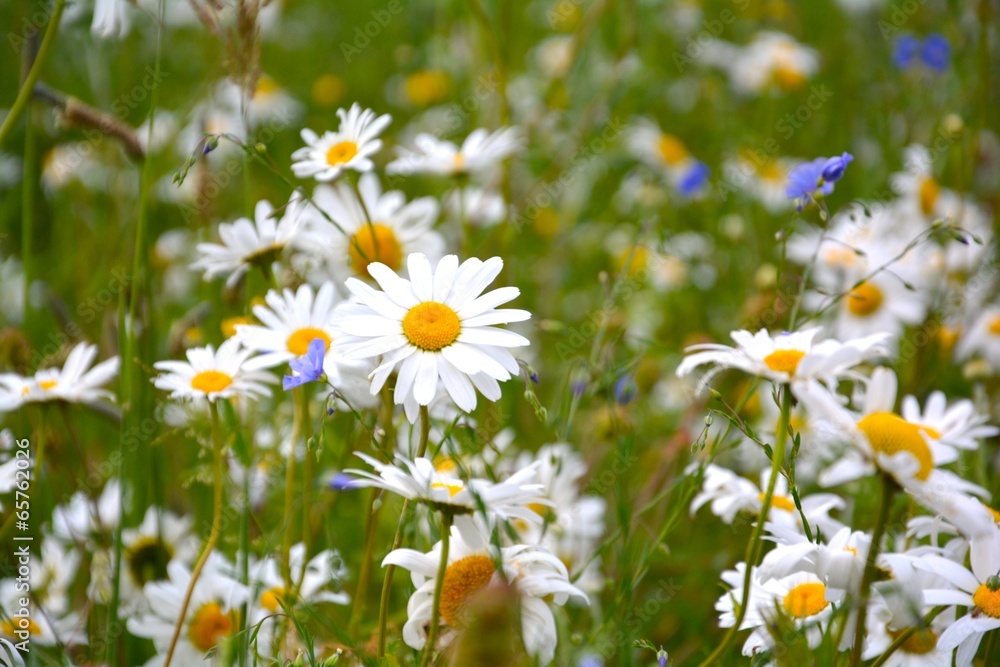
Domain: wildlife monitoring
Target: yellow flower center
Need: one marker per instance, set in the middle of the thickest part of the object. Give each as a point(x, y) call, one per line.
point(928, 195)
point(328, 89)
point(21, 623)
point(458, 162)
point(229, 325)
point(864, 300)
point(772, 172)
point(453, 486)
point(837, 256)
point(806, 600)
point(208, 626)
point(921, 642)
point(462, 580)
point(987, 601)
point(211, 382)
point(996, 515)
point(273, 598)
point(341, 153)
point(994, 325)
point(298, 342)
point(672, 149)
point(788, 77)
point(889, 434)
point(784, 361)
point(47, 384)
point(431, 326)
point(374, 243)
point(266, 87)
point(444, 463)
point(427, 87)
point(780, 502)
point(147, 559)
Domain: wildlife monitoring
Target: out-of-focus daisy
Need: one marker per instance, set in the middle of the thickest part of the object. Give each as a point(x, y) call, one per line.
point(729, 494)
point(771, 61)
point(785, 358)
point(437, 324)
point(213, 374)
point(536, 575)
point(396, 228)
point(314, 582)
point(982, 338)
point(882, 303)
point(75, 382)
point(44, 626)
point(81, 517)
point(247, 243)
point(211, 614)
point(478, 206)
point(350, 147)
point(53, 574)
point(513, 498)
point(916, 185)
point(648, 143)
point(481, 152)
point(764, 180)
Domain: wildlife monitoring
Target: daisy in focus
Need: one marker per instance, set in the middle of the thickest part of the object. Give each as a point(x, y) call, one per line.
point(212, 374)
point(538, 577)
point(438, 325)
point(481, 152)
point(349, 148)
point(248, 243)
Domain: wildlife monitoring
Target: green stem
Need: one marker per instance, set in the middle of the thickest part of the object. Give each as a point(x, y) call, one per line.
point(887, 491)
point(28, 213)
point(432, 634)
point(218, 444)
point(756, 541)
point(286, 547)
point(28, 85)
point(397, 541)
point(308, 473)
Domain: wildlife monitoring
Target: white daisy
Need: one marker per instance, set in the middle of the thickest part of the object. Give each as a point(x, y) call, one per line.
point(478, 206)
point(982, 338)
point(44, 626)
point(213, 374)
point(514, 498)
point(787, 357)
point(75, 382)
point(211, 614)
point(246, 243)
point(437, 324)
point(536, 575)
point(350, 147)
point(481, 152)
point(396, 228)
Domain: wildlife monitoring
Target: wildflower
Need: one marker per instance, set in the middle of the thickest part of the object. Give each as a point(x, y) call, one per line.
point(213, 374)
point(809, 181)
point(479, 153)
point(308, 368)
point(350, 147)
point(75, 382)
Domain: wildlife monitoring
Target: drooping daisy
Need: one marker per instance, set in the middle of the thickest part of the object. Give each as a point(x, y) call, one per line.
point(213, 374)
point(883, 439)
point(437, 324)
point(785, 358)
point(536, 575)
point(513, 498)
point(247, 243)
point(211, 614)
point(350, 147)
point(75, 382)
point(481, 152)
point(396, 228)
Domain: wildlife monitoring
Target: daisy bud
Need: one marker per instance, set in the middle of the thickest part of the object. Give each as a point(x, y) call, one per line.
point(993, 583)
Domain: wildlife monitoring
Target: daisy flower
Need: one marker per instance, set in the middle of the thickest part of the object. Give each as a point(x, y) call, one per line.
point(480, 152)
point(977, 588)
point(919, 191)
point(211, 615)
point(289, 322)
point(75, 382)
point(350, 147)
point(882, 439)
point(881, 304)
point(247, 243)
point(436, 325)
point(396, 229)
point(785, 358)
point(514, 498)
point(982, 338)
point(536, 576)
point(763, 180)
point(213, 374)
point(773, 60)
point(44, 626)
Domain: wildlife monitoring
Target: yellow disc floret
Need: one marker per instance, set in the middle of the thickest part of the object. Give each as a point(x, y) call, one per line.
point(462, 580)
point(211, 382)
point(806, 600)
point(890, 434)
point(341, 152)
point(784, 361)
point(298, 342)
point(374, 243)
point(864, 300)
point(208, 626)
point(431, 326)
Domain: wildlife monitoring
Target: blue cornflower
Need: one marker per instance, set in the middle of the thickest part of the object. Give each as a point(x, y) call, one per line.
point(936, 52)
point(808, 181)
point(343, 482)
point(905, 52)
point(625, 389)
point(307, 368)
point(694, 179)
